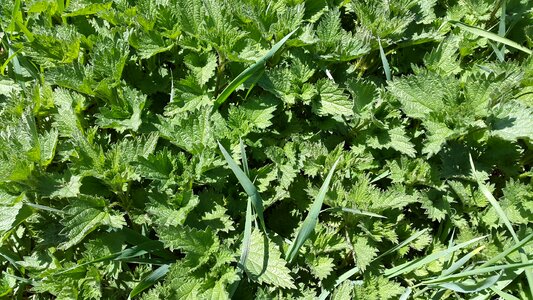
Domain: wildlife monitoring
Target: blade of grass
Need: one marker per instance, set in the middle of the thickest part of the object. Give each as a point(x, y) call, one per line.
point(479, 271)
point(417, 263)
point(384, 61)
point(126, 254)
point(503, 294)
point(401, 245)
point(466, 288)
point(244, 159)
point(463, 260)
point(503, 217)
point(244, 75)
point(493, 201)
point(149, 280)
point(43, 207)
point(248, 186)
point(312, 217)
point(247, 230)
point(10, 256)
point(338, 282)
point(499, 53)
point(406, 294)
point(501, 28)
point(507, 251)
point(491, 36)
point(351, 272)
point(353, 211)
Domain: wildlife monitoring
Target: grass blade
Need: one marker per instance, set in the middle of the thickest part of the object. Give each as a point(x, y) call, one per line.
point(338, 282)
point(417, 263)
point(247, 231)
point(406, 294)
point(480, 271)
point(244, 159)
point(466, 288)
point(459, 263)
point(384, 61)
point(499, 53)
point(491, 36)
point(126, 254)
point(149, 280)
point(503, 294)
point(248, 186)
point(312, 217)
point(244, 75)
point(493, 201)
point(353, 211)
point(501, 28)
point(401, 245)
point(351, 272)
point(501, 214)
point(9, 256)
point(508, 251)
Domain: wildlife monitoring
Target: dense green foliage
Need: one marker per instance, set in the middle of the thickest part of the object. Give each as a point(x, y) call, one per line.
point(180, 149)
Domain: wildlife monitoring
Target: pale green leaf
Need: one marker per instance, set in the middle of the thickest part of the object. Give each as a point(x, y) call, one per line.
point(332, 100)
point(266, 265)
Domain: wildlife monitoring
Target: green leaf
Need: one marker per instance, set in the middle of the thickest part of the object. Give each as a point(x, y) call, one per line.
point(84, 215)
point(424, 93)
point(12, 212)
point(332, 100)
point(264, 263)
point(321, 267)
point(513, 121)
point(364, 253)
point(198, 245)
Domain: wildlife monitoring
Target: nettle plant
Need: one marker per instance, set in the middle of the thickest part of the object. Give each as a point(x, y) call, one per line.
point(187, 149)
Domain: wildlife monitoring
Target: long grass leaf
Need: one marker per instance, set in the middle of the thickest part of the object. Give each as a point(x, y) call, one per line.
point(149, 280)
point(493, 201)
point(401, 245)
point(9, 256)
point(501, 28)
point(244, 159)
point(508, 251)
point(480, 271)
point(247, 230)
point(353, 211)
point(461, 262)
point(503, 294)
point(126, 254)
point(465, 288)
point(247, 184)
point(384, 61)
point(503, 217)
point(338, 282)
point(244, 75)
point(417, 263)
point(491, 36)
point(312, 217)
point(406, 294)
point(499, 53)
point(354, 270)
